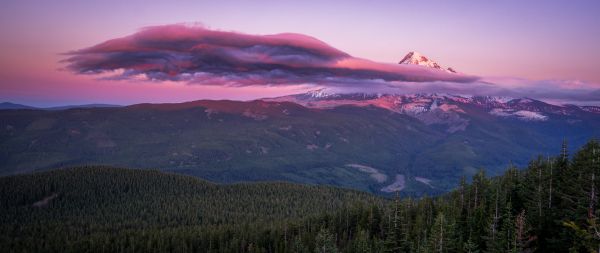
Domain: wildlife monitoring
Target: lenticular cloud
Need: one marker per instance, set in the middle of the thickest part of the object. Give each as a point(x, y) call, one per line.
point(198, 55)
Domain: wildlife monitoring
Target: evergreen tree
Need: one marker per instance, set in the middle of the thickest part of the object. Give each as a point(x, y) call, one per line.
point(507, 234)
point(362, 244)
point(523, 238)
point(299, 247)
point(325, 242)
point(442, 235)
point(470, 247)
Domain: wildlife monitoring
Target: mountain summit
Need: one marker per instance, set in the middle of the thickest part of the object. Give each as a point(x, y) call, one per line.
point(415, 58)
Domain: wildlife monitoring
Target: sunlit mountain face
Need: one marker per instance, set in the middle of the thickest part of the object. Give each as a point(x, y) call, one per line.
point(418, 59)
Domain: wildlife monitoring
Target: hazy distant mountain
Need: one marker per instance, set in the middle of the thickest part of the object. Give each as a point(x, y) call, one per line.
point(415, 58)
point(81, 106)
point(374, 142)
point(11, 106)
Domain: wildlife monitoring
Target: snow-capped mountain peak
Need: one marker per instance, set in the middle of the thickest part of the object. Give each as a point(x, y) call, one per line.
point(319, 93)
point(415, 58)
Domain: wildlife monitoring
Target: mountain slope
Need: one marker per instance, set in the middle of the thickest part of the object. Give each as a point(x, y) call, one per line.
point(224, 141)
point(368, 142)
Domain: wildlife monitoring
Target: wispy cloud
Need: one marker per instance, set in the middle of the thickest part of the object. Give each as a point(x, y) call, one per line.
point(552, 91)
point(558, 91)
point(198, 55)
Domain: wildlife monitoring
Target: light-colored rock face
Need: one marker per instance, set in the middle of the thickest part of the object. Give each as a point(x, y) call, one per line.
point(425, 181)
point(519, 114)
point(398, 185)
point(373, 173)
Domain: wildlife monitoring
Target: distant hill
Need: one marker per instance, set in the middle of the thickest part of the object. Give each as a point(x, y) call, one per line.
point(56, 108)
point(13, 106)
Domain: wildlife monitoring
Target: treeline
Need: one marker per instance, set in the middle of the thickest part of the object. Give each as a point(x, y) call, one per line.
point(550, 206)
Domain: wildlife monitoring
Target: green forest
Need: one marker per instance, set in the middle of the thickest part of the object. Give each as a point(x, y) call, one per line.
point(549, 206)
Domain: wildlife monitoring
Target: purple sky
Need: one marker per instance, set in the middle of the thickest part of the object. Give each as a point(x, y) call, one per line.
point(504, 41)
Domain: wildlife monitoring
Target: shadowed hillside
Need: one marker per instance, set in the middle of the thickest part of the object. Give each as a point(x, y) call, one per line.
point(362, 147)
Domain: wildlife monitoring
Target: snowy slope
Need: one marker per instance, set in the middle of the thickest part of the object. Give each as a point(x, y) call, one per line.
point(444, 109)
point(415, 58)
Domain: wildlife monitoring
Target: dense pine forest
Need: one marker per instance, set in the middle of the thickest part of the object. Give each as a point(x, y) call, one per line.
point(549, 206)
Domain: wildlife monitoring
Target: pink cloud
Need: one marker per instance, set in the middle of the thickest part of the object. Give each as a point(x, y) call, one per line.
point(198, 55)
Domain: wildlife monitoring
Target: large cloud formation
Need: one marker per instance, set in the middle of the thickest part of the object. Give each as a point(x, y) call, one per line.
point(199, 55)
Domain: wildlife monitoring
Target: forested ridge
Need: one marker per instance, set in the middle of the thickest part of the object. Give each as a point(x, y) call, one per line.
point(90, 206)
point(549, 206)
point(235, 141)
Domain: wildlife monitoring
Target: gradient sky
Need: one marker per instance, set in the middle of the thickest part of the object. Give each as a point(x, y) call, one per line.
point(535, 40)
